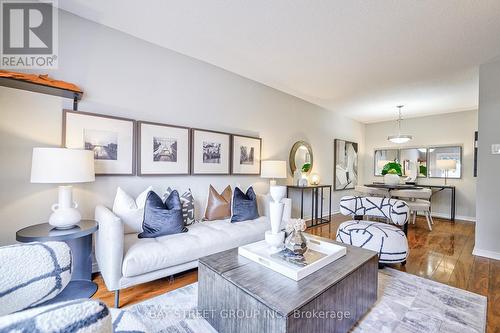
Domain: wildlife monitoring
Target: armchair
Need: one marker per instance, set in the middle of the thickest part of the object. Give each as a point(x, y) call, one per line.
point(32, 274)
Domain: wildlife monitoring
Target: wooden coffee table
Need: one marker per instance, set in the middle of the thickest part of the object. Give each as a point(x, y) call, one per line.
point(236, 294)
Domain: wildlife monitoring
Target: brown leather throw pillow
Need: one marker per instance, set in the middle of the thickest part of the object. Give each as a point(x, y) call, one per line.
point(218, 205)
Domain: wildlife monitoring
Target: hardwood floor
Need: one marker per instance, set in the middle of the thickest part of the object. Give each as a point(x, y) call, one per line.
point(443, 254)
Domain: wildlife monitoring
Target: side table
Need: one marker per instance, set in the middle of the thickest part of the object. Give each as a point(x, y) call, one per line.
point(79, 239)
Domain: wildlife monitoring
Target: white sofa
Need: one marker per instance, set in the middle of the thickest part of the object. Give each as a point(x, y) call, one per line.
point(126, 260)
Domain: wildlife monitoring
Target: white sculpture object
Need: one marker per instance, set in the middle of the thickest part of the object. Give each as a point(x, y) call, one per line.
point(275, 237)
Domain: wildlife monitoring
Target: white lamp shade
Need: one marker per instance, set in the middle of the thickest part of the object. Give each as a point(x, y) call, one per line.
point(446, 164)
point(62, 166)
point(273, 169)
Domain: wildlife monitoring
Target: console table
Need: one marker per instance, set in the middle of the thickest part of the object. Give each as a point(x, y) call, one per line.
point(317, 195)
point(79, 239)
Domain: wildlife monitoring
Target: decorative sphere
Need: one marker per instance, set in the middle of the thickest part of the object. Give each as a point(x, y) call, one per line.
point(315, 179)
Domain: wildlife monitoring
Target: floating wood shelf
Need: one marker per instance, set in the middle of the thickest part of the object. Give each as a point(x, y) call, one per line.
point(19, 83)
point(39, 88)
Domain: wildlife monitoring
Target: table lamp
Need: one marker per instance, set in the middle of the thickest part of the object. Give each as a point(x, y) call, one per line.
point(63, 166)
point(446, 166)
point(273, 170)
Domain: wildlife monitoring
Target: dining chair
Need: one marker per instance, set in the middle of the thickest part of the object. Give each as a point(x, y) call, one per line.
point(418, 201)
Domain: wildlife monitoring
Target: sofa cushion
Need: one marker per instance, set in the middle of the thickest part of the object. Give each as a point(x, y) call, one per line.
point(130, 210)
point(218, 205)
point(187, 201)
point(147, 255)
point(244, 205)
point(162, 218)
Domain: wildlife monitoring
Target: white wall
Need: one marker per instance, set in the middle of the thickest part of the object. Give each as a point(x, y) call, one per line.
point(447, 129)
point(124, 76)
point(488, 183)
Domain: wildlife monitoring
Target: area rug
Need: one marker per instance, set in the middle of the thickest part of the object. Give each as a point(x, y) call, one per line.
point(406, 303)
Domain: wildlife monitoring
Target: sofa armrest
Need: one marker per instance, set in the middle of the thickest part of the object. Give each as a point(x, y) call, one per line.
point(109, 246)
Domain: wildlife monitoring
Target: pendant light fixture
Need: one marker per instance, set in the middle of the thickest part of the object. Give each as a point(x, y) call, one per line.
point(399, 138)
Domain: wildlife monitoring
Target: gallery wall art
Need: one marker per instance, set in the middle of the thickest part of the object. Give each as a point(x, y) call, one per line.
point(210, 152)
point(246, 155)
point(121, 146)
point(110, 138)
point(345, 165)
point(163, 149)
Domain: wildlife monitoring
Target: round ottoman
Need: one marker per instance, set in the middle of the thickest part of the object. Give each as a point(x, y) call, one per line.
point(388, 240)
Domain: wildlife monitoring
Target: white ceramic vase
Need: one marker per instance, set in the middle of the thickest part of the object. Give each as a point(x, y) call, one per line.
point(391, 179)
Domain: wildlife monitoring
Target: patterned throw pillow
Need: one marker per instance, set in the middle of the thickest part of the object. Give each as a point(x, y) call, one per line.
point(187, 201)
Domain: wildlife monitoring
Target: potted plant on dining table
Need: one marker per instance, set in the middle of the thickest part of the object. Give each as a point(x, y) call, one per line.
point(392, 173)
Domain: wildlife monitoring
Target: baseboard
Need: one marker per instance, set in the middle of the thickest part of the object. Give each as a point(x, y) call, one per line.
point(457, 217)
point(486, 253)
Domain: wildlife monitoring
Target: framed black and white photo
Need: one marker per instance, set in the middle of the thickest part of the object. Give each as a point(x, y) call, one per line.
point(163, 149)
point(246, 155)
point(210, 152)
point(345, 165)
point(110, 138)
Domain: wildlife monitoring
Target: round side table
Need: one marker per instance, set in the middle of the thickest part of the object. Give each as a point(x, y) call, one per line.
point(79, 239)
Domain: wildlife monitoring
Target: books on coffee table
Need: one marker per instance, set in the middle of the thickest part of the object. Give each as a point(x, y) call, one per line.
point(318, 255)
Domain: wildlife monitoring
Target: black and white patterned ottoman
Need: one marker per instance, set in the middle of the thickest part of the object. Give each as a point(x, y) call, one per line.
point(387, 239)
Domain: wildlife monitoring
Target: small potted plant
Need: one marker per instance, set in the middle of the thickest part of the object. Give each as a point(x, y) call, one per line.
point(391, 173)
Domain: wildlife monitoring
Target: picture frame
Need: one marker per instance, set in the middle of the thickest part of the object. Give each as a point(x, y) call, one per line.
point(163, 149)
point(246, 155)
point(111, 138)
point(345, 169)
point(210, 152)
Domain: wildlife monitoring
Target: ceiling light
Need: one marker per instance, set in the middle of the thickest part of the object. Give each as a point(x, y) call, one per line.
point(399, 138)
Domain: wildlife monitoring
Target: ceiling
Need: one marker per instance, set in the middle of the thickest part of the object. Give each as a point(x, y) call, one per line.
point(360, 58)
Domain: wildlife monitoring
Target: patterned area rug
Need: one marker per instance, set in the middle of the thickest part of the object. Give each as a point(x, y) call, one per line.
point(406, 303)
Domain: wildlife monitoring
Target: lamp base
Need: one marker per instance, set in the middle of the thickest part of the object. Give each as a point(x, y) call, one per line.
point(65, 218)
point(65, 215)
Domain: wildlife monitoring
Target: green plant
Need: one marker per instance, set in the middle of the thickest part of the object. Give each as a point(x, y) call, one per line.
point(423, 170)
point(306, 167)
point(395, 167)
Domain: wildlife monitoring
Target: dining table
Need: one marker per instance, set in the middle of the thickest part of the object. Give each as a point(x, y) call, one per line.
point(435, 188)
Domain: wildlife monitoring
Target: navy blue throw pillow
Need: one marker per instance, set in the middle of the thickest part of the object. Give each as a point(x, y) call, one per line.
point(161, 218)
point(244, 205)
